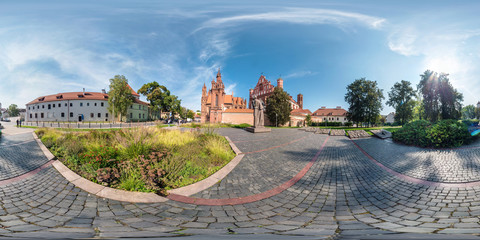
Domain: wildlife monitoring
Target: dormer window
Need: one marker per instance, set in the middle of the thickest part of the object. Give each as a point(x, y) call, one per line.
point(80, 95)
point(59, 96)
point(41, 99)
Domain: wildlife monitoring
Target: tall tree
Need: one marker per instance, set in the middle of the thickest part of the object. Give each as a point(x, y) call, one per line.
point(401, 98)
point(365, 100)
point(308, 120)
point(13, 111)
point(468, 112)
point(278, 106)
point(156, 95)
point(440, 99)
point(191, 114)
point(119, 97)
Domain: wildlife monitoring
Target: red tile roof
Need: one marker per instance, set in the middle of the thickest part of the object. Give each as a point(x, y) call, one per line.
point(133, 92)
point(330, 112)
point(302, 112)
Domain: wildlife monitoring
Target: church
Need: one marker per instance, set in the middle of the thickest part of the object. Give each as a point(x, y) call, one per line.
point(215, 102)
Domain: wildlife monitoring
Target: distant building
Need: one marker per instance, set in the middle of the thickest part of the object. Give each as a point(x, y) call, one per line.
point(337, 114)
point(215, 102)
point(264, 89)
point(81, 106)
point(297, 117)
point(478, 104)
point(390, 118)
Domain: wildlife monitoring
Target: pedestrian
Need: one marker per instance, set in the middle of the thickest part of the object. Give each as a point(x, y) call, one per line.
point(20, 122)
point(17, 122)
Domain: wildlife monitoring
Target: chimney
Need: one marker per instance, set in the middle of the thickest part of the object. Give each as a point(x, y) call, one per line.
point(280, 83)
point(300, 100)
point(83, 91)
point(103, 91)
point(323, 107)
point(339, 107)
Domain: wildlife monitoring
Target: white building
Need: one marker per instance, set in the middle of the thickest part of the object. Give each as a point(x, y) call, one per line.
point(80, 106)
point(390, 118)
point(337, 114)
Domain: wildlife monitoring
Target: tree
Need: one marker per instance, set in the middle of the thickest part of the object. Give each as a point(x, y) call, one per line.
point(190, 114)
point(120, 96)
point(468, 112)
point(401, 98)
point(156, 95)
point(278, 107)
point(365, 100)
point(308, 120)
point(13, 111)
point(440, 98)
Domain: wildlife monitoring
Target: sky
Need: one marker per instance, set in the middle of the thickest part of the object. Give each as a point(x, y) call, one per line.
point(316, 47)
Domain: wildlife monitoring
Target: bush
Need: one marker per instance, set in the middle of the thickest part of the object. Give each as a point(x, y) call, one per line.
point(443, 134)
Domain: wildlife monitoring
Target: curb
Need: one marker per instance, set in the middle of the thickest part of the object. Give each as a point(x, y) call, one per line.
point(138, 197)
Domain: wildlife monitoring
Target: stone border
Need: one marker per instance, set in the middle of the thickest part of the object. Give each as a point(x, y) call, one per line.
point(136, 197)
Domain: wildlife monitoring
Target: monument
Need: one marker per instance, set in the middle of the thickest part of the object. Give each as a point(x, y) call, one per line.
point(258, 117)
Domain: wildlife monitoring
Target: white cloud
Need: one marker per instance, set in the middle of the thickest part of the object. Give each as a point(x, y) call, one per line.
point(300, 16)
point(299, 74)
point(229, 88)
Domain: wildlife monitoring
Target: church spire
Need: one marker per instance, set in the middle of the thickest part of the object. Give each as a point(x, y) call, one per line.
point(219, 76)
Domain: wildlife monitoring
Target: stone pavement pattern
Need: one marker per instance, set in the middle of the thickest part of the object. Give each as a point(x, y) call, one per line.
point(343, 195)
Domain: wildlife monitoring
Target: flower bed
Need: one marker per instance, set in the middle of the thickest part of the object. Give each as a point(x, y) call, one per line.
point(140, 159)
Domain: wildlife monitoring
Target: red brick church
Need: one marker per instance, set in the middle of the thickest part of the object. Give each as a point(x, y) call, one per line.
point(215, 102)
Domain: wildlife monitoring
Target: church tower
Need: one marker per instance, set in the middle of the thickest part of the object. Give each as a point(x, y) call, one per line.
point(218, 96)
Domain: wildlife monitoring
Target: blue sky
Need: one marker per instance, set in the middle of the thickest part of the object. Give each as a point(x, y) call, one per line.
point(317, 47)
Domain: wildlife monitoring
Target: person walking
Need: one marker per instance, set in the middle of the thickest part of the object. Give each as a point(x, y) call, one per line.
point(17, 122)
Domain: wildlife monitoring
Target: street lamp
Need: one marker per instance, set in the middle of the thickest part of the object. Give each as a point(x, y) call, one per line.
point(276, 122)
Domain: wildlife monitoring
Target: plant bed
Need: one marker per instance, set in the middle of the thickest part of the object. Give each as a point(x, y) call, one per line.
point(141, 159)
point(358, 134)
point(442, 134)
point(337, 132)
point(323, 131)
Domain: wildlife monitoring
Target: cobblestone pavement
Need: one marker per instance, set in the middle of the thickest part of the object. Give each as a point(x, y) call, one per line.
point(343, 196)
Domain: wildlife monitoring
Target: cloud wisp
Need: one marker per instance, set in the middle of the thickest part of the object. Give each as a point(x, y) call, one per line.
point(299, 16)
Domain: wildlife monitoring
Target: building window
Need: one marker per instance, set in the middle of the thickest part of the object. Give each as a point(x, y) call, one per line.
point(43, 106)
point(143, 115)
point(344, 119)
point(106, 115)
point(65, 104)
point(63, 114)
point(88, 104)
point(99, 115)
point(139, 115)
point(30, 115)
point(71, 114)
point(36, 116)
point(59, 105)
point(71, 104)
point(28, 108)
point(140, 107)
point(53, 105)
point(91, 115)
point(131, 106)
point(338, 119)
point(95, 104)
point(81, 104)
point(41, 115)
point(49, 106)
point(101, 104)
point(131, 115)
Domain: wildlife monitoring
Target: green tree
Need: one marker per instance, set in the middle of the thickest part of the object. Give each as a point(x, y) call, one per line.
point(13, 111)
point(191, 114)
point(278, 107)
point(468, 112)
point(401, 98)
point(440, 99)
point(365, 100)
point(156, 95)
point(119, 97)
point(308, 120)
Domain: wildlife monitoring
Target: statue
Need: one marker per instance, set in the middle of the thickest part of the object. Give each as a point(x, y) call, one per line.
point(258, 117)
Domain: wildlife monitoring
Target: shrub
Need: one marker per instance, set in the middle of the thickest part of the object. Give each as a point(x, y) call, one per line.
point(108, 176)
point(242, 125)
point(445, 133)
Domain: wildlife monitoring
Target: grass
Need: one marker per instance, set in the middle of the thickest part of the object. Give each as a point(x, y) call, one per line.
point(139, 159)
point(215, 125)
point(23, 126)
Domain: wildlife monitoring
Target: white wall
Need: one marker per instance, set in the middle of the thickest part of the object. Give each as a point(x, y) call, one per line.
point(75, 107)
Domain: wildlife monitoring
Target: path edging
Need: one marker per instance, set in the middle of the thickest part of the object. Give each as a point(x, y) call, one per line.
point(138, 197)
